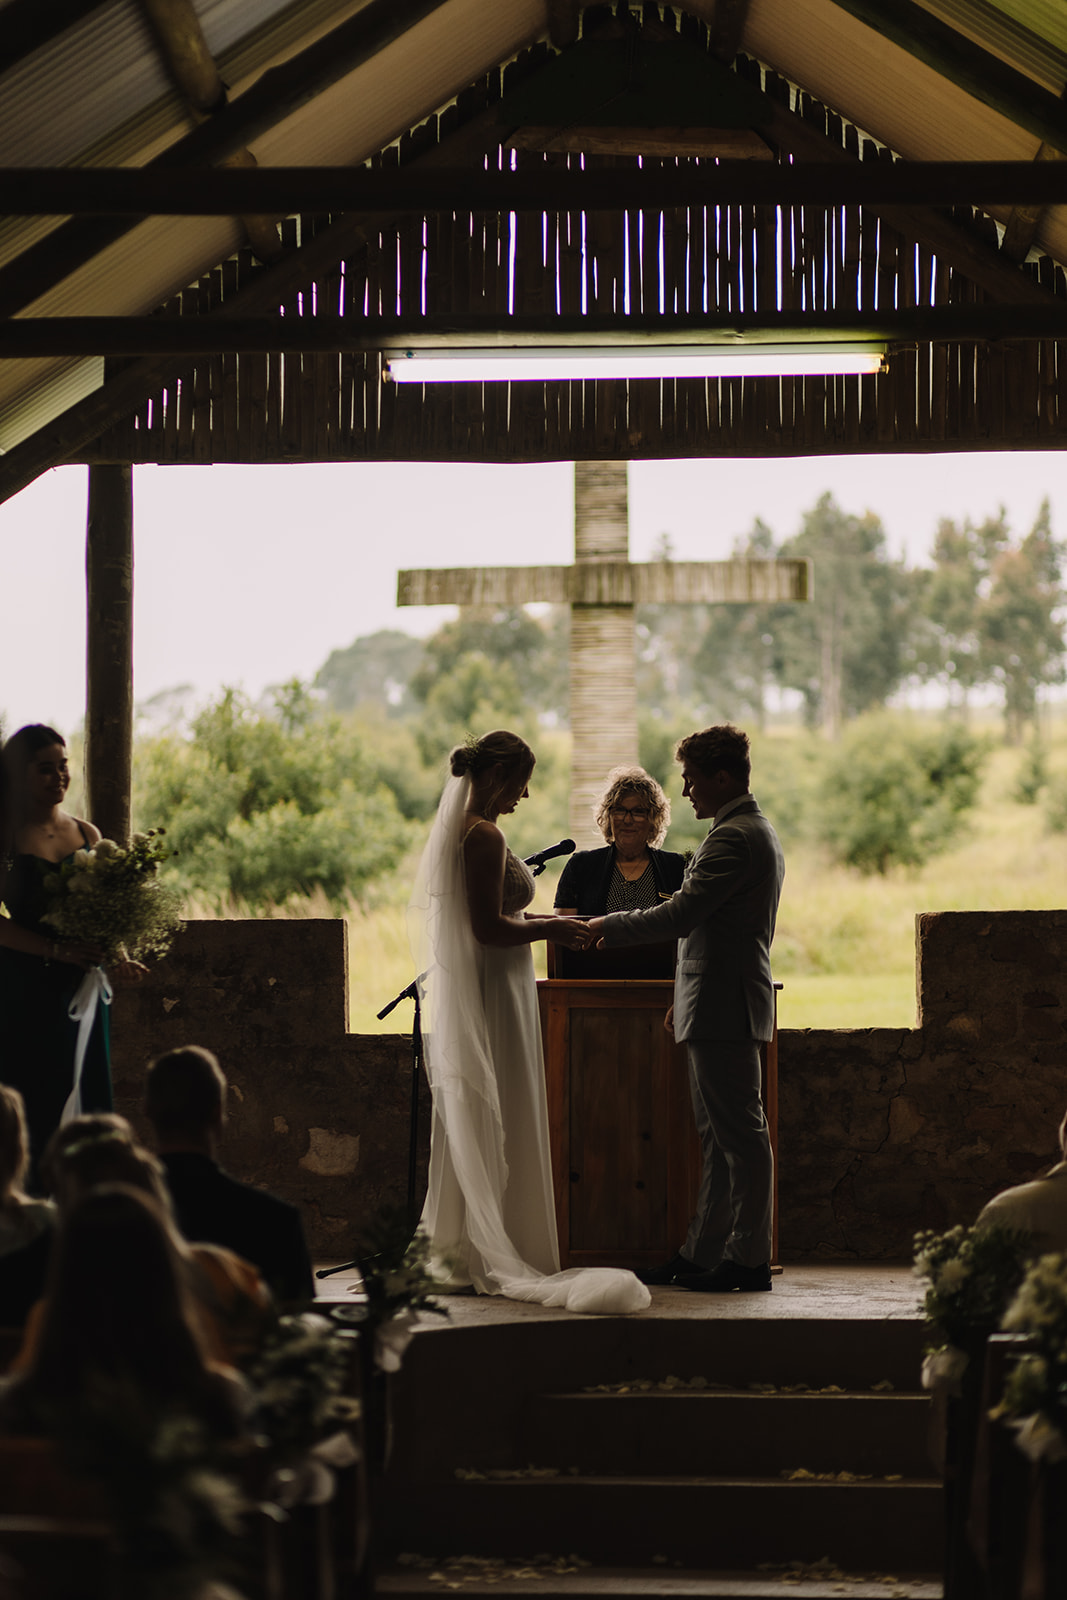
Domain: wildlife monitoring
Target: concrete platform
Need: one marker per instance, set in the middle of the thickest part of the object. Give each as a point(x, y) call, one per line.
point(804, 1292)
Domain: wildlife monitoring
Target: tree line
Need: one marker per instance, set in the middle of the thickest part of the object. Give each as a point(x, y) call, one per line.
point(327, 786)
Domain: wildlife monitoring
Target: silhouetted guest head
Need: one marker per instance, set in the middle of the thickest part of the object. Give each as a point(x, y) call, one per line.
point(81, 1131)
point(185, 1094)
point(117, 1309)
point(14, 1148)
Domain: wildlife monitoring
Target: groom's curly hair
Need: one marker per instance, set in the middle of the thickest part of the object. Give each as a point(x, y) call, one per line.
point(722, 748)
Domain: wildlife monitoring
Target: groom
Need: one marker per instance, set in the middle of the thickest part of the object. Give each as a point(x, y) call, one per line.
point(724, 915)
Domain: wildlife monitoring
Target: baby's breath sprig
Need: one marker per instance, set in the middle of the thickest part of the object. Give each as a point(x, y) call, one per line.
point(113, 898)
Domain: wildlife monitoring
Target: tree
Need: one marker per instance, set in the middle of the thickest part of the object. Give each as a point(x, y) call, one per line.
point(375, 669)
point(949, 602)
point(843, 650)
point(531, 651)
point(894, 794)
point(264, 806)
point(1020, 632)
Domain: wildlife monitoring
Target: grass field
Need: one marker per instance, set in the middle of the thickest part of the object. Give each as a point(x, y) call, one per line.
point(845, 945)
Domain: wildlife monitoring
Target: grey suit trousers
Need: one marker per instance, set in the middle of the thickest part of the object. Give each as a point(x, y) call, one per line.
point(733, 1215)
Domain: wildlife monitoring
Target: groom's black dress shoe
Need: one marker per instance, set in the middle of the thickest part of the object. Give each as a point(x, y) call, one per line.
point(679, 1269)
point(726, 1277)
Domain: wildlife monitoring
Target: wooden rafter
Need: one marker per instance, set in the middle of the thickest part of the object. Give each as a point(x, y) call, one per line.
point(26, 337)
point(951, 55)
point(727, 28)
point(273, 97)
point(39, 191)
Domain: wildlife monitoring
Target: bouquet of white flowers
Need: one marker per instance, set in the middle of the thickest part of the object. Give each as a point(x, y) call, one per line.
point(971, 1275)
point(113, 898)
point(1035, 1394)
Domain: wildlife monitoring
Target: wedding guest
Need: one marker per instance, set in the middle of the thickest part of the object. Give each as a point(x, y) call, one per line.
point(231, 1301)
point(40, 973)
point(1038, 1208)
point(185, 1101)
point(26, 1225)
point(22, 1219)
point(118, 1319)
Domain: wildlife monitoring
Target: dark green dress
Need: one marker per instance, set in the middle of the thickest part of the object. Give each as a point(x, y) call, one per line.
point(37, 1037)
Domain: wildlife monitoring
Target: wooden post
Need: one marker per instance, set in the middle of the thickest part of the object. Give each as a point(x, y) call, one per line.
point(603, 683)
point(109, 650)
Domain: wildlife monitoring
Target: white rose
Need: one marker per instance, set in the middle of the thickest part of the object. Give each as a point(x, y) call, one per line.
point(953, 1275)
point(944, 1369)
point(140, 838)
point(107, 847)
point(1040, 1439)
point(81, 858)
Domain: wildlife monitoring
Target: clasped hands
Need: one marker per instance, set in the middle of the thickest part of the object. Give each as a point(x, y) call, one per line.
point(579, 933)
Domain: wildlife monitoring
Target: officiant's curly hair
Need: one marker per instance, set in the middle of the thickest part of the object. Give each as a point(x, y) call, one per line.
point(633, 780)
point(722, 748)
point(478, 755)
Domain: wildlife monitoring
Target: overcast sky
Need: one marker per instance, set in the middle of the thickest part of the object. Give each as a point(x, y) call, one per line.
point(252, 575)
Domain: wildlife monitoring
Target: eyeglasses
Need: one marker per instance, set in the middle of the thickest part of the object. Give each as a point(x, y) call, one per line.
point(620, 814)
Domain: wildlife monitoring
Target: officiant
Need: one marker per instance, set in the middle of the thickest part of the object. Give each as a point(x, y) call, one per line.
point(631, 873)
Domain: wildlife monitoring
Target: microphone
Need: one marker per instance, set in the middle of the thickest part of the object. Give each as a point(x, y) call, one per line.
point(537, 861)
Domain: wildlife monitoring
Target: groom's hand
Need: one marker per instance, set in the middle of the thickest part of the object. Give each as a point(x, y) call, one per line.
point(596, 931)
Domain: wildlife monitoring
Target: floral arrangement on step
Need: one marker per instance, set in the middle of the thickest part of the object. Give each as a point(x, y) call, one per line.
point(113, 897)
point(401, 1277)
point(1035, 1393)
point(971, 1275)
point(304, 1408)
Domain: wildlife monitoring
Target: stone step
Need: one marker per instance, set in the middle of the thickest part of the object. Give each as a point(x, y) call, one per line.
point(562, 1580)
point(708, 1522)
point(740, 1434)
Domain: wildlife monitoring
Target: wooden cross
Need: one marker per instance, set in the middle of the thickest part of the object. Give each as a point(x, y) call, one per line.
point(602, 588)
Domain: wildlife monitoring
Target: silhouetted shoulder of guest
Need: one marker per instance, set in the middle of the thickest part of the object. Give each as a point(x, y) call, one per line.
point(185, 1101)
point(26, 1225)
point(1038, 1208)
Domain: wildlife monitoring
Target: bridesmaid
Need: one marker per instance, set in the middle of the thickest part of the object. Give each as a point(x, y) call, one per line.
point(39, 973)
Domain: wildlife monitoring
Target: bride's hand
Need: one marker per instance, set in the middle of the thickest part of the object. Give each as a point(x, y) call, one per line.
point(571, 932)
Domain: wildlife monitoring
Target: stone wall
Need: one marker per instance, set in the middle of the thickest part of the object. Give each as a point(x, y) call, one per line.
point(317, 1114)
point(886, 1131)
point(881, 1131)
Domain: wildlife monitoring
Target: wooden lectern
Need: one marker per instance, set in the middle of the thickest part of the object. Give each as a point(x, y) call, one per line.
point(625, 1156)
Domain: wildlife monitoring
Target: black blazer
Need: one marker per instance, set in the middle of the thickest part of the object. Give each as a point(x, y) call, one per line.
point(213, 1208)
point(585, 879)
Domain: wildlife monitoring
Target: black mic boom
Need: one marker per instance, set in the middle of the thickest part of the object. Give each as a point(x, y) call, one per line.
point(537, 861)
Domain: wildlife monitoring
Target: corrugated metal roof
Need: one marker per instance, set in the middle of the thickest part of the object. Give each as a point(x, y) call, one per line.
point(98, 95)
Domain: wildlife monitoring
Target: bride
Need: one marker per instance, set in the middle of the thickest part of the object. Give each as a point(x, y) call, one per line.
point(489, 1210)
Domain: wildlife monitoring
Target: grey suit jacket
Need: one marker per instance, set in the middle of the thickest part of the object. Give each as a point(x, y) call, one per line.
point(724, 915)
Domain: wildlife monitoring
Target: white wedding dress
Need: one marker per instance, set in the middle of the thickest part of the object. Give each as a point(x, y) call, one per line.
point(489, 1209)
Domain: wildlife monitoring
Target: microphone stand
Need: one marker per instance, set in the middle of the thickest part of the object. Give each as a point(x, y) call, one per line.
point(412, 992)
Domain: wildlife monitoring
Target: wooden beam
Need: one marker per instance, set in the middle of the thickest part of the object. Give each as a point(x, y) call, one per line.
point(982, 75)
point(727, 28)
point(76, 427)
point(52, 191)
point(608, 583)
point(275, 96)
point(562, 23)
point(109, 649)
point(724, 144)
point(31, 337)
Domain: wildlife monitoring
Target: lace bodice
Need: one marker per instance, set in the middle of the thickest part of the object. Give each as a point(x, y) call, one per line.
point(518, 886)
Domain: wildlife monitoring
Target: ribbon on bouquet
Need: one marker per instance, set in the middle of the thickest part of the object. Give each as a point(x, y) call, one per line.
point(93, 990)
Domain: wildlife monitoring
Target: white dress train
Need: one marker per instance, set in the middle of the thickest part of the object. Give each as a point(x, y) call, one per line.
point(489, 1209)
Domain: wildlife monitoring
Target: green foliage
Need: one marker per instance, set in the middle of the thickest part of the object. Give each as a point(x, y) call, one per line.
point(1032, 776)
point(894, 793)
point(268, 805)
point(527, 654)
point(1056, 805)
point(476, 694)
point(374, 671)
point(1022, 641)
point(844, 650)
point(1036, 1389)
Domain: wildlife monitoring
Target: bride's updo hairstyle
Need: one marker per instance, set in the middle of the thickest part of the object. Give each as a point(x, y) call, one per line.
point(476, 756)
